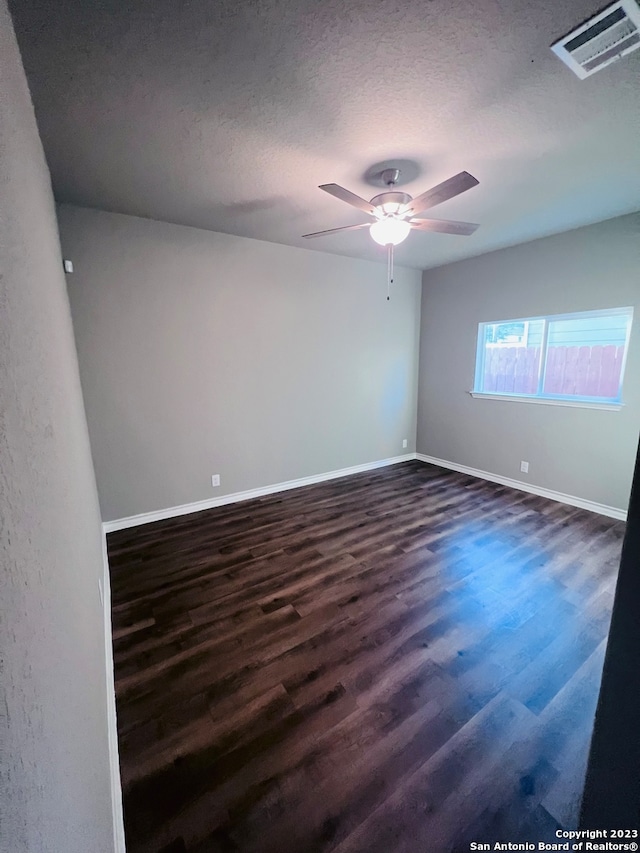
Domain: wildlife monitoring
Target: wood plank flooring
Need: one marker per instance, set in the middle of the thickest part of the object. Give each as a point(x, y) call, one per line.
point(399, 661)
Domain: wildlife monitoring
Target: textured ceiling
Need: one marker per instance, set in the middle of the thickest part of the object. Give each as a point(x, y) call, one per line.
point(227, 115)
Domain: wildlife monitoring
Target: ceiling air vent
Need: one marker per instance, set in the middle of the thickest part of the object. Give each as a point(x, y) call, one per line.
point(604, 38)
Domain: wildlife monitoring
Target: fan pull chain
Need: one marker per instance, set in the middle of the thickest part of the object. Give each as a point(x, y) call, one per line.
point(389, 268)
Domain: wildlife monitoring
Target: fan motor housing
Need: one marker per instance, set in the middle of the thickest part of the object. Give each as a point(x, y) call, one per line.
point(390, 202)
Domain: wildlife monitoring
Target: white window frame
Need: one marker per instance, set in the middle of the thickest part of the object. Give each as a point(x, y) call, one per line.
point(613, 404)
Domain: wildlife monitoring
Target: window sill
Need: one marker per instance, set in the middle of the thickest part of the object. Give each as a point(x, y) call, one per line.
point(546, 401)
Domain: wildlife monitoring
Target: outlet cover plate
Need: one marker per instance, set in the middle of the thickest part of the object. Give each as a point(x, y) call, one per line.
point(215, 480)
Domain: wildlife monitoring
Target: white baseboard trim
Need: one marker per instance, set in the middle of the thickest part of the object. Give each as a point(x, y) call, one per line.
point(211, 503)
point(112, 725)
point(581, 503)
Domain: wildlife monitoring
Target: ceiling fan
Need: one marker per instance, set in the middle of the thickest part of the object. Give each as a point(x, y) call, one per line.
point(394, 212)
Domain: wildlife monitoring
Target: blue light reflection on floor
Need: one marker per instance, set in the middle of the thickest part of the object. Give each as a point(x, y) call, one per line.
point(493, 577)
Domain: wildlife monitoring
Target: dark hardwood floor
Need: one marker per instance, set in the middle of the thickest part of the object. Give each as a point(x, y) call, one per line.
point(401, 661)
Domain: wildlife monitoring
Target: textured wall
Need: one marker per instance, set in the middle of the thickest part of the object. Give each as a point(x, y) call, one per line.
point(54, 764)
point(581, 452)
point(204, 353)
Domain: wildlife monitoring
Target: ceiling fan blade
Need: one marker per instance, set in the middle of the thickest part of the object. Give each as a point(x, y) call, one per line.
point(350, 198)
point(442, 192)
point(445, 226)
point(335, 230)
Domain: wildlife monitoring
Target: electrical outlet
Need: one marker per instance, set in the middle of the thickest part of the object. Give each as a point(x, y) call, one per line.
point(404, 442)
point(215, 480)
point(524, 467)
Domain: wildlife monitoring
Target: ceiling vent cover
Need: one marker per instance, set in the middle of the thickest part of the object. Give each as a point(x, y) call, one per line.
point(607, 36)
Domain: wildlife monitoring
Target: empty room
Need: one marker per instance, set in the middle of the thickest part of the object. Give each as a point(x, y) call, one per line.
point(320, 389)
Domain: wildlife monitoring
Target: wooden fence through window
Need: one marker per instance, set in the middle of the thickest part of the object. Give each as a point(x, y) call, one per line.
point(575, 371)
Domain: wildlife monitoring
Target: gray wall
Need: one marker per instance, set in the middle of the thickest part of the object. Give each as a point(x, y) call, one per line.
point(581, 452)
point(204, 353)
point(54, 763)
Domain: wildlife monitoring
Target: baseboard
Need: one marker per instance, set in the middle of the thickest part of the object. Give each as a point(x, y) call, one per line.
point(592, 506)
point(211, 503)
point(112, 725)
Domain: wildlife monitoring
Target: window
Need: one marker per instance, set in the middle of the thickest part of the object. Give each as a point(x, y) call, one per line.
point(570, 359)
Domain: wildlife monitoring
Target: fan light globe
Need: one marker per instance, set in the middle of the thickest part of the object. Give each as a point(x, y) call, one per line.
point(389, 231)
